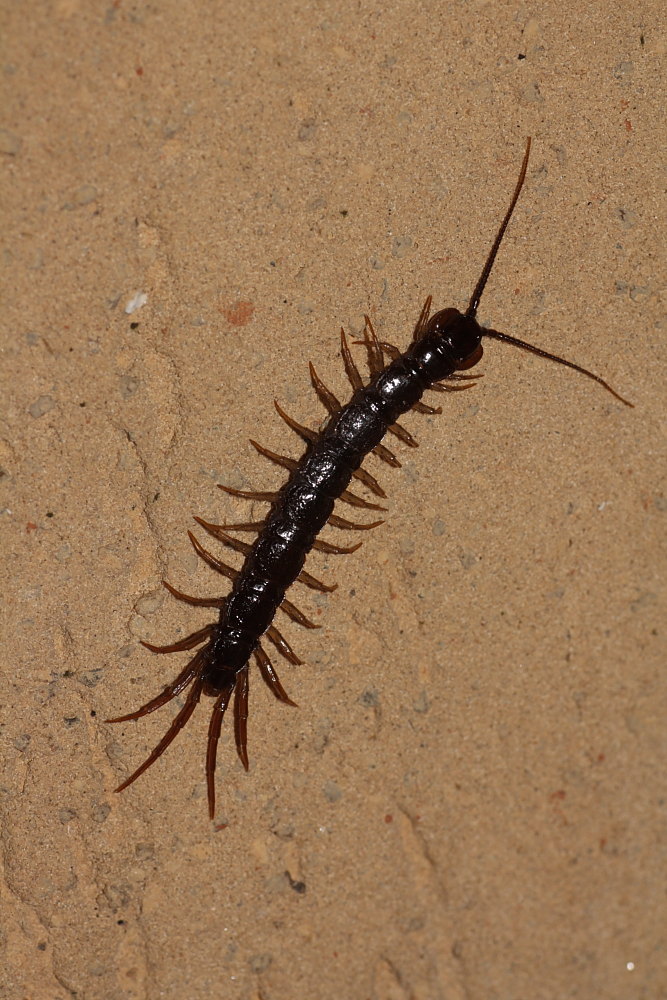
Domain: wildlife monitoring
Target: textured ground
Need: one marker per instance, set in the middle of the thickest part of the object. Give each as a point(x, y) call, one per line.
point(470, 801)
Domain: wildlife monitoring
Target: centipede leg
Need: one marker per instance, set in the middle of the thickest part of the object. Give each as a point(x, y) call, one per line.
point(338, 550)
point(305, 432)
point(211, 561)
point(267, 497)
point(351, 369)
point(471, 380)
point(425, 408)
point(241, 715)
point(214, 727)
point(342, 522)
point(243, 526)
point(315, 584)
point(389, 349)
point(403, 435)
point(174, 729)
point(387, 456)
point(325, 395)
point(282, 645)
point(423, 319)
point(216, 531)
point(370, 481)
point(190, 642)
point(189, 671)
point(297, 616)
point(356, 501)
point(200, 602)
point(372, 344)
point(282, 460)
point(270, 677)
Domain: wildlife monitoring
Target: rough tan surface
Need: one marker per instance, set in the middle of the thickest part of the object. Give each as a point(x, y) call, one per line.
point(472, 792)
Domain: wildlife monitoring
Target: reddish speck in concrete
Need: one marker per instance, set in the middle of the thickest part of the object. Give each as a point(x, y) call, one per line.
point(238, 313)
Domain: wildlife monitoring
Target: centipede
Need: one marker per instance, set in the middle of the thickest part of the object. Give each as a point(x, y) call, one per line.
point(444, 346)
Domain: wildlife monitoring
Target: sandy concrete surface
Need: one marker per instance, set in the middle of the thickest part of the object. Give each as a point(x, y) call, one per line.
point(470, 801)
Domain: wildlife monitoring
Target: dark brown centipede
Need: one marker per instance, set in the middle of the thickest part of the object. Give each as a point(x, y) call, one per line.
point(442, 345)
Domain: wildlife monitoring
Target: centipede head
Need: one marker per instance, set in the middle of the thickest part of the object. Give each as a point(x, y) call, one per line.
point(459, 334)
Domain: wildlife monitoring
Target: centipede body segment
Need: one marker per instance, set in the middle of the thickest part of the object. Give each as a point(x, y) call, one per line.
point(443, 346)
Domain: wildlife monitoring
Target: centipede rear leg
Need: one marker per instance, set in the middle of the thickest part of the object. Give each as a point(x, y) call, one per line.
point(214, 729)
point(187, 675)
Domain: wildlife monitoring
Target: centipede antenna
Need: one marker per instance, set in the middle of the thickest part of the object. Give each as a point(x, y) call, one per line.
point(496, 335)
point(484, 277)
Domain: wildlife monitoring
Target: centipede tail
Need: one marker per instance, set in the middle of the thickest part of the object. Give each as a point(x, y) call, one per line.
point(443, 346)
